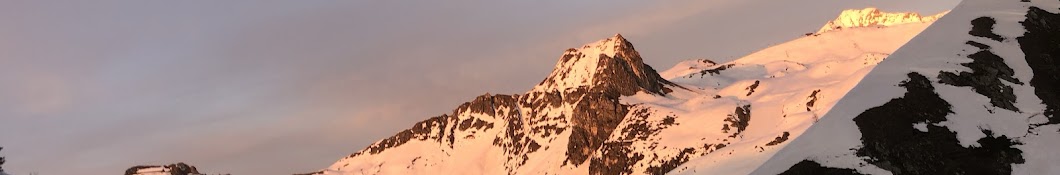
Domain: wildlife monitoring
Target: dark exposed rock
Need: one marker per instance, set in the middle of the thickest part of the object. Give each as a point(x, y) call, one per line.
point(891, 144)
point(669, 120)
point(671, 164)
point(988, 69)
point(615, 158)
point(981, 46)
point(539, 102)
point(624, 73)
point(813, 99)
point(779, 139)
point(807, 167)
point(486, 104)
point(466, 123)
point(515, 141)
point(597, 110)
point(1041, 47)
point(751, 89)
point(419, 131)
point(708, 62)
point(595, 117)
point(984, 27)
point(739, 120)
point(716, 70)
point(638, 128)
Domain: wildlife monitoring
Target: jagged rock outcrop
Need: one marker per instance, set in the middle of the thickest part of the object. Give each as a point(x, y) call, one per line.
point(869, 17)
point(572, 112)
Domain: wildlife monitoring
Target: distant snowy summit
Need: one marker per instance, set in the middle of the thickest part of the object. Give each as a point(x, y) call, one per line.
point(871, 16)
point(171, 169)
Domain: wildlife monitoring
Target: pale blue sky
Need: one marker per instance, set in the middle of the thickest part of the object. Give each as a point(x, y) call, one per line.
point(281, 87)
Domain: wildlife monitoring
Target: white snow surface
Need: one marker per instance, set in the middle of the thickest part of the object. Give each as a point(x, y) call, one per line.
point(788, 75)
point(941, 47)
point(797, 83)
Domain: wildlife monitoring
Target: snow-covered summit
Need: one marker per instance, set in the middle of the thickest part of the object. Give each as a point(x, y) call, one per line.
point(171, 169)
point(603, 63)
point(869, 17)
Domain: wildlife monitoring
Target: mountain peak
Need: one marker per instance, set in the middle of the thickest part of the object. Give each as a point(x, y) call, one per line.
point(872, 16)
point(608, 63)
point(609, 46)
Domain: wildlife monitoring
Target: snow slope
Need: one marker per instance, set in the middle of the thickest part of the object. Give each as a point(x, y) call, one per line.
point(975, 93)
point(787, 87)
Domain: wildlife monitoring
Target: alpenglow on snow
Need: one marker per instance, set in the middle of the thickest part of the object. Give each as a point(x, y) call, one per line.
point(870, 93)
